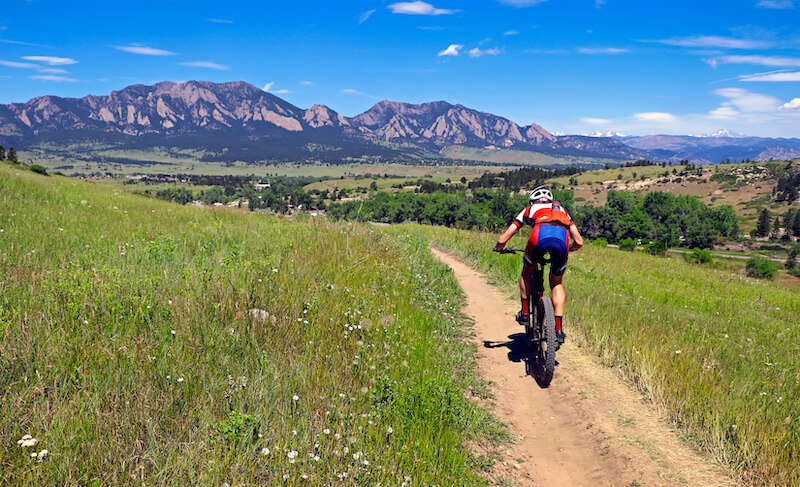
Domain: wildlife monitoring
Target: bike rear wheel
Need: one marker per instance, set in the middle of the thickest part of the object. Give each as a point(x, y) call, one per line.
point(546, 350)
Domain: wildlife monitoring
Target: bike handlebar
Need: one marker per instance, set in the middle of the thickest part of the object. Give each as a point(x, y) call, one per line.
point(515, 251)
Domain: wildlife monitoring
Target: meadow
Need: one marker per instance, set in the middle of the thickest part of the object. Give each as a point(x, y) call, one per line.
point(712, 349)
point(144, 342)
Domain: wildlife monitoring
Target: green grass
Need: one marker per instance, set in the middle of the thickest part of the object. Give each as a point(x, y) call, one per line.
point(143, 342)
point(715, 349)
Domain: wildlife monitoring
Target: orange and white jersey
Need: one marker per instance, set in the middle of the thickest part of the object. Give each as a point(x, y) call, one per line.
point(550, 213)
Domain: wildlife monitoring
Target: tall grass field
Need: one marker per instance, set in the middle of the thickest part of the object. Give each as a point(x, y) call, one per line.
point(147, 343)
point(718, 351)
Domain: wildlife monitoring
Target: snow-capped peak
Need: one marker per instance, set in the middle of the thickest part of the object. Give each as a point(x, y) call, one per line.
point(725, 133)
point(605, 134)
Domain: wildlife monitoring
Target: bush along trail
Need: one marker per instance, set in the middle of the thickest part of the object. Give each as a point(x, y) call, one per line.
point(147, 343)
point(714, 350)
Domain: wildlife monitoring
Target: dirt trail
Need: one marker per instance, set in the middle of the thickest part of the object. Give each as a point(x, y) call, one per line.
point(588, 428)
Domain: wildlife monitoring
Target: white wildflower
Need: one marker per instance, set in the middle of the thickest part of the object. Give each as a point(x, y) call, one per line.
point(43, 455)
point(265, 451)
point(26, 441)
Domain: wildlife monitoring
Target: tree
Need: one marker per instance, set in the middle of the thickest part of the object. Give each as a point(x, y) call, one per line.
point(762, 228)
point(796, 225)
point(776, 227)
point(2, 152)
point(12, 155)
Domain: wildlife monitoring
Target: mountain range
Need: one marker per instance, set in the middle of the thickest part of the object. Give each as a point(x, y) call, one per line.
point(238, 121)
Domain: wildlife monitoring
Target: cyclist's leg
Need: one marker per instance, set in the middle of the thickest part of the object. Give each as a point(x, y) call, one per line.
point(557, 294)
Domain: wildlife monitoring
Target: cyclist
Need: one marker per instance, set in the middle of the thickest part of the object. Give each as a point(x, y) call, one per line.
point(552, 229)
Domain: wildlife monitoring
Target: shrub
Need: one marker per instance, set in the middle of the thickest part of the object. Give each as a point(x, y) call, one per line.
point(794, 272)
point(761, 268)
point(600, 242)
point(39, 169)
point(659, 247)
point(699, 256)
point(627, 244)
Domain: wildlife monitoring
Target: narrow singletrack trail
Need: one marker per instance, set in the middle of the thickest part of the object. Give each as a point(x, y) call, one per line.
point(588, 428)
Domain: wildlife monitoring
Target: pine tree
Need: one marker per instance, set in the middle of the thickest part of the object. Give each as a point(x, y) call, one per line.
point(12, 155)
point(762, 229)
point(2, 152)
point(796, 225)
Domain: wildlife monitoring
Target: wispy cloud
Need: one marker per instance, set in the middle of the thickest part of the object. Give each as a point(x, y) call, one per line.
point(205, 64)
point(268, 86)
point(774, 76)
point(511, 32)
point(715, 41)
point(747, 101)
point(21, 43)
point(754, 59)
point(57, 79)
point(599, 3)
point(792, 105)
point(144, 50)
point(476, 52)
point(351, 91)
point(775, 4)
point(601, 50)
point(595, 121)
point(51, 60)
point(521, 3)
point(282, 91)
point(418, 8)
point(220, 21)
point(307, 83)
point(452, 50)
point(15, 64)
point(660, 117)
point(53, 70)
point(365, 16)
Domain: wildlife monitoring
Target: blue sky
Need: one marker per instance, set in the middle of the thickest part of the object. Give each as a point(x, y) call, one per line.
point(636, 67)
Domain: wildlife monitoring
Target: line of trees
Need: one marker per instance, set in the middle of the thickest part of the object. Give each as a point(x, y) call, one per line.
point(769, 227)
point(10, 156)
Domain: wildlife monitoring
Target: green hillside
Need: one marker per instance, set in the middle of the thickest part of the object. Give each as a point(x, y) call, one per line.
point(147, 343)
point(713, 348)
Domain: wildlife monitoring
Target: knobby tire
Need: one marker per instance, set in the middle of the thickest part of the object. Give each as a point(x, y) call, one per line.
point(547, 346)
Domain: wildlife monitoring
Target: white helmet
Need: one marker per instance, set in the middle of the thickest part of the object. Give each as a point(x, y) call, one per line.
point(541, 193)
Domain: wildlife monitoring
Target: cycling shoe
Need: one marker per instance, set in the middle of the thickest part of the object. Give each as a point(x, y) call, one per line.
point(523, 318)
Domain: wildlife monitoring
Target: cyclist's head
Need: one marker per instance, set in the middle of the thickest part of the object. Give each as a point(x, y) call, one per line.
point(542, 194)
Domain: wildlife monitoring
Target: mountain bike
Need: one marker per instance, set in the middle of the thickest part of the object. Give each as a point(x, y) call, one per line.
point(540, 330)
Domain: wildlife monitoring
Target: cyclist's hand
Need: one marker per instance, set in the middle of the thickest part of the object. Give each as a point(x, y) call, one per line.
point(499, 247)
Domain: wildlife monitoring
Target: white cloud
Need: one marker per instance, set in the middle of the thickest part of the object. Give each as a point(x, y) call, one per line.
point(53, 70)
point(723, 113)
point(418, 8)
point(792, 105)
point(268, 86)
point(759, 60)
point(205, 64)
point(599, 3)
point(595, 121)
point(452, 50)
point(476, 52)
point(365, 16)
point(144, 50)
point(522, 3)
point(775, 4)
point(747, 101)
point(715, 41)
point(282, 91)
point(220, 21)
point(511, 32)
point(775, 76)
point(15, 64)
point(58, 79)
point(50, 60)
point(601, 50)
point(659, 117)
point(307, 83)
point(351, 91)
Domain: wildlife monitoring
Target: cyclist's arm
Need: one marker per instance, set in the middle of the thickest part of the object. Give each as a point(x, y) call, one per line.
point(506, 236)
point(577, 239)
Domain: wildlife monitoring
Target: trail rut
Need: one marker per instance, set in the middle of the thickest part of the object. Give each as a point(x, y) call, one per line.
point(588, 428)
